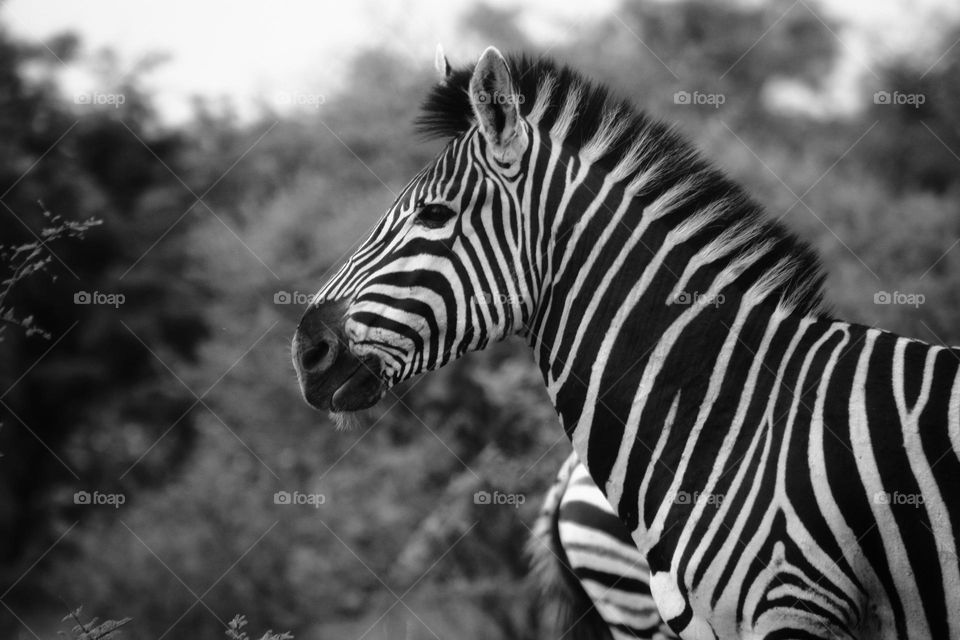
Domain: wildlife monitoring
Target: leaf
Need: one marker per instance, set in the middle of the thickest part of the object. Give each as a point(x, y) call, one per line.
point(73, 615)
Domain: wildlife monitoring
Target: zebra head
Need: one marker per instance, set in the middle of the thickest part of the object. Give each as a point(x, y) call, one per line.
point(442, 273)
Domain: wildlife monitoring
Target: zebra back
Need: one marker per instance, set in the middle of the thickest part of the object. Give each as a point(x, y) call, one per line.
point(557, 584)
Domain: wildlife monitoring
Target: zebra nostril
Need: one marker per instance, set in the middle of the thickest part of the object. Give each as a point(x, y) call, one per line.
point(314, 357)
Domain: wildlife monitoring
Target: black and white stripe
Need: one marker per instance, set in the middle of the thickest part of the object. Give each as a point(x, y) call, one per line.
point(788, 475)
point(585, 561)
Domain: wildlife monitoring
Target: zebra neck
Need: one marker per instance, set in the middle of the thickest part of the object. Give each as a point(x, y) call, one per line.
point(644, 294)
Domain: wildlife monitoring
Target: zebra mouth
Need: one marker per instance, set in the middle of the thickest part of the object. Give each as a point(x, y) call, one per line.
point(362, 389)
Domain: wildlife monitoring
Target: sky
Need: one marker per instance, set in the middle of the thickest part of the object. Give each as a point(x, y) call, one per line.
point(251, 54)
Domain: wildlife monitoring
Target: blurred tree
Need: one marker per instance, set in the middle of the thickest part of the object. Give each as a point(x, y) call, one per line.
point(222, 282)
point(498, 25)
point(78, 408)
point(918, 146)
point(653, 49)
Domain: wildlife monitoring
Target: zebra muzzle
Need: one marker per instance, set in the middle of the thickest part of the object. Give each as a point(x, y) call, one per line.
point(362, 389)
point(332, 377)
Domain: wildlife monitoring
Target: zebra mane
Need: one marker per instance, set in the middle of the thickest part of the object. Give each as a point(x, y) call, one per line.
point(646, 155)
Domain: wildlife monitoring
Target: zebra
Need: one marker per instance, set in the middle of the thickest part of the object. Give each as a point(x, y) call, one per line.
point(786, 474)
point(584, 560)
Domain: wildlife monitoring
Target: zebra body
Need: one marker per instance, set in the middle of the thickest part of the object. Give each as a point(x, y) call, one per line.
point(765, 520)
point(786, 474)
point(579, 533)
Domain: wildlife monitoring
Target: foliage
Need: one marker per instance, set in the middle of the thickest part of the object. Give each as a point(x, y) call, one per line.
point(236, 631)
point(24, 260)
point(90, 630)
point(183, 399)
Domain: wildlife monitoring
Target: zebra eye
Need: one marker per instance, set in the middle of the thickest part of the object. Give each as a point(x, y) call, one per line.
point(434, 216)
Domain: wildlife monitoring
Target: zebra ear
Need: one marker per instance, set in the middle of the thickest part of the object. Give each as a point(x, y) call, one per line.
point(496, 106)
point(440, 63)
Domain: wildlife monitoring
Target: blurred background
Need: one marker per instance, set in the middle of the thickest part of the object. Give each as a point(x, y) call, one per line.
point(176, 179)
